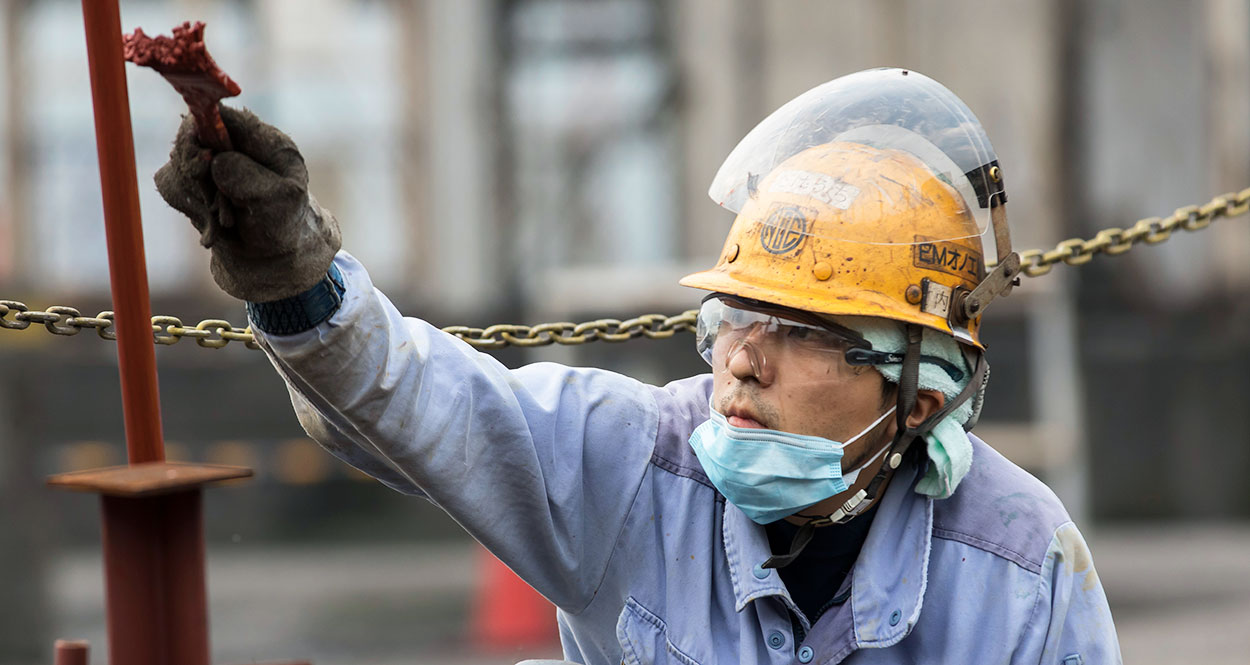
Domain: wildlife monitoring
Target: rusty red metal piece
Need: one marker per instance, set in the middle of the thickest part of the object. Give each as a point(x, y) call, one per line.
point(184, 61)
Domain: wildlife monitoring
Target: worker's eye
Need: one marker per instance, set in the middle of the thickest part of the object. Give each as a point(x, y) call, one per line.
point(815, 338)
point(800, 334)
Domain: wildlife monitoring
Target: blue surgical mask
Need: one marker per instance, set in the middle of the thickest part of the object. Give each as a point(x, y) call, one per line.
point(770, 474)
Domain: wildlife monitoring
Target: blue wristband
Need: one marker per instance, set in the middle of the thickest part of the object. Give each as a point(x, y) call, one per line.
point(302, 312)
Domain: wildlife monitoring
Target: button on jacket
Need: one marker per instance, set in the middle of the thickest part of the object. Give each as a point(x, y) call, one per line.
point(583, 482)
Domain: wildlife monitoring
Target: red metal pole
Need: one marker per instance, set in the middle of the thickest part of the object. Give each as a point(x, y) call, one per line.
point(153, 518)
point(154, 570)
point(136, 355)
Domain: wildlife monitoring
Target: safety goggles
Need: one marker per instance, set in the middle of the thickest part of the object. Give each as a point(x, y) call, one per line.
point(728, 325)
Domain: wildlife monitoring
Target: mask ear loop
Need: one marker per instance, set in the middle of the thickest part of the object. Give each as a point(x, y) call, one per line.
point(868, 429)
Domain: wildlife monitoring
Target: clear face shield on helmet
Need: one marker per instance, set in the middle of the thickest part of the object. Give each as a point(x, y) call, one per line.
point(882, 167)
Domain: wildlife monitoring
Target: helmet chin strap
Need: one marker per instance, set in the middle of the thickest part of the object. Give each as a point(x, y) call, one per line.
point(863, 499)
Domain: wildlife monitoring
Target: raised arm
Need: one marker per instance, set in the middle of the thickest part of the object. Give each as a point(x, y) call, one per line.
point(540, 464)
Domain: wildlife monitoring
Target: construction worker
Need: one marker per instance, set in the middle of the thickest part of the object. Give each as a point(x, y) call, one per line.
point(816, 497)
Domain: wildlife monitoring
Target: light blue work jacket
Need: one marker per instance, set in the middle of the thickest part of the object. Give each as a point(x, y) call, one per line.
point(583, 482)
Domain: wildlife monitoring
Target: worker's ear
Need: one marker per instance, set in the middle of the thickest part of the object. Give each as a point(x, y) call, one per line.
point(928, 402)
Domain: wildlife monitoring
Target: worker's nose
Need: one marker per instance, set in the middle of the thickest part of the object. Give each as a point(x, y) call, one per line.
point(746, 360)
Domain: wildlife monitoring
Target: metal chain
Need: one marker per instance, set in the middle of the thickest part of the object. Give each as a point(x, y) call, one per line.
point(211, 333)
point(1152, 231)
point(216, 333)
point(651, 326)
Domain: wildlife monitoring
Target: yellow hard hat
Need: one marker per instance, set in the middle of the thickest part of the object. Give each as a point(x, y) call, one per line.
point(872, 195)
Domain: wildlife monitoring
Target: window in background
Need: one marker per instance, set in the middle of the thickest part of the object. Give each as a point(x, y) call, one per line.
point(592, 157)
point(322, 71)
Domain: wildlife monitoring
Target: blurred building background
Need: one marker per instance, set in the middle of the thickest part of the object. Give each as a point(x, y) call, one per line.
point(532, 160)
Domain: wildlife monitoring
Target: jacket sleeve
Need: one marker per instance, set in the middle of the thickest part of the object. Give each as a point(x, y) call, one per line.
point(540, 464)
point(1071, 623)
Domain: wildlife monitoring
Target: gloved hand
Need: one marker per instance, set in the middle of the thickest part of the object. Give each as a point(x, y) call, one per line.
point(269, 238)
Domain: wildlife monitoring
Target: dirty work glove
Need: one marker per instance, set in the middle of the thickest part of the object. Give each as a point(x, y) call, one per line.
point(268, 237)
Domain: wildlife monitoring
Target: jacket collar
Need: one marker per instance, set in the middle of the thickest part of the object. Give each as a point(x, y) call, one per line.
point(888, 580)
point(893, 567)
point(746, 548)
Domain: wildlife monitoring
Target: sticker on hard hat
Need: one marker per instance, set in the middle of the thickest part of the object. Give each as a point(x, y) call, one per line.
point(784, 230)
point(948, 257)
point(817, 186)
point(937, 298)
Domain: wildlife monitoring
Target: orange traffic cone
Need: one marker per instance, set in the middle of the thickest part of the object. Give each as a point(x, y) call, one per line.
point(508, 613)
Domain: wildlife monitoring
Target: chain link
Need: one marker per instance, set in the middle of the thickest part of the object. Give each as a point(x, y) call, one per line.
point(217, 333)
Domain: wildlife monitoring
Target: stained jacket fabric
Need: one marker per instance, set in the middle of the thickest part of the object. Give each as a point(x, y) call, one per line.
point(582, 481)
